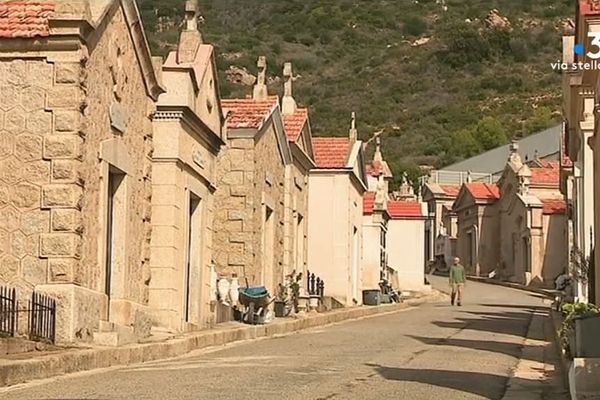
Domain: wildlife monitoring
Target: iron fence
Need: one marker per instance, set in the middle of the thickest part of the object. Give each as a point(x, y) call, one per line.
point(315, 285)
point(8, 311)
point(42, 317)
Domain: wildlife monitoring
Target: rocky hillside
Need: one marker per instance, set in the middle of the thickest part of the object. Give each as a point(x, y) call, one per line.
point(445, 79)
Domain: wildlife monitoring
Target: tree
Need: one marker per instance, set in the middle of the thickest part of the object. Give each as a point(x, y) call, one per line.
point(464, 144)
point(490, 133)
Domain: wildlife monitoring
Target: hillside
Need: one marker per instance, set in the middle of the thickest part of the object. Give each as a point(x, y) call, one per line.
point(445, 79)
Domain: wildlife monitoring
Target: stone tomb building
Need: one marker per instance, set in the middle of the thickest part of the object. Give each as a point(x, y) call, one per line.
point(250, 234)
point(188, 126)
point(78, 90)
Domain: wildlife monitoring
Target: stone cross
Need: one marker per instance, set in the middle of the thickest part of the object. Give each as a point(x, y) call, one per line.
point(191, 15)
point(378, 156)
point(353, 131)
point(260, 89)
point(262, 70)
point(289, 79)
point(289, 105)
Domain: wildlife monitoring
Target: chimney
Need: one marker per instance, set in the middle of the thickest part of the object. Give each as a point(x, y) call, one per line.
point(289, 105)
point(353, 131)
point(190, 38)
point(260, 89)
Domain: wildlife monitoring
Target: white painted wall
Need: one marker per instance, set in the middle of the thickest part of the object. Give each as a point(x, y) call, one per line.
point(335, 210)
point(406, 252)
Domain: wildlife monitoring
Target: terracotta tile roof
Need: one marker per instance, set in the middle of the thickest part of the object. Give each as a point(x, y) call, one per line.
point(450, 190)
point(331, 152)
point(405, 209)
point(248, 113)
point(376, 167)
point(589, 7)
point(25, 19)
point(368, 203)
point(554, 206)
point(551, 164)
point(483, 191)
point(294, 123)
point(545, 177)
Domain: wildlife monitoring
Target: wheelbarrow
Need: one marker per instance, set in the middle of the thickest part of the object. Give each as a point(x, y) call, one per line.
point(255, 301)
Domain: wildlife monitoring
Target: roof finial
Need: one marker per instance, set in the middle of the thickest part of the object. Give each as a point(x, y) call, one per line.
point(288, 103)
point(260, 89)
point(353, 131)
point(469, 177)
point(191, 15)
point(378, 156)
point(190, 38)
point(514, 156)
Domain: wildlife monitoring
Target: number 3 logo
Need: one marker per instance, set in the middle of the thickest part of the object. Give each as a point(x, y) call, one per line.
point(595, 42)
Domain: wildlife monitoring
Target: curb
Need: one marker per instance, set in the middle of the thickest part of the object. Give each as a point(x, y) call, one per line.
point(517, 386)
point(546, 292)
point(565, 362)
point(13, 372)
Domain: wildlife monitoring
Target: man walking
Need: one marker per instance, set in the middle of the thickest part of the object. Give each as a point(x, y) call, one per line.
point(457, 282)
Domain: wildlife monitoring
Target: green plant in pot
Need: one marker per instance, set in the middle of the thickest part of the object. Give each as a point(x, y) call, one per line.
point(281, 301)
point(571, 312)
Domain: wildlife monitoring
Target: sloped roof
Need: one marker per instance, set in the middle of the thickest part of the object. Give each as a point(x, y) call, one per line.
point(25, 19)
point(331, 152)
point(545, 177)
point(483, 191)
point(547, 144)
point(377, 167)
point(554, 206)
point(398, 209)
point(294, 124)
point(368, 203)
point(248, 113)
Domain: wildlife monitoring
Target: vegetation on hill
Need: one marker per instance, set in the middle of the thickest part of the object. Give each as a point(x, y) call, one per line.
point(445, 79)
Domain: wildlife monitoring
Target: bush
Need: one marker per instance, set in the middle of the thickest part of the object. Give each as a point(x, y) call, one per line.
point(414, 26)
point(464, 45)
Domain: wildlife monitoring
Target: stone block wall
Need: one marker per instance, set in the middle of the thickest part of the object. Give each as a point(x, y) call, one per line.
point(39, 189)
point(250, 176)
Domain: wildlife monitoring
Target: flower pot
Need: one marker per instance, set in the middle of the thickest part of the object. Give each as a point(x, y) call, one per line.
point(234, 291)
point(223, 289)
point(280, 309)
point(313, 303)
point(302, 304)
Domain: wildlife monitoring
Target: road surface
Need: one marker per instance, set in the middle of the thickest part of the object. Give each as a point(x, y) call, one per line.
point(432, 352)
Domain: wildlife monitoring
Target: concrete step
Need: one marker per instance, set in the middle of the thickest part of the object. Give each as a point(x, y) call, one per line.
point(111, 334)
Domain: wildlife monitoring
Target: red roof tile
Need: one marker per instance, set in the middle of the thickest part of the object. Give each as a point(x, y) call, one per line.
point(545, 177)
point(554, 206)
point(25, 19)
point(294, 123)
point(377, 167)
point(248, 113)
point(483, 191)
point(551, 164)
point(405, 209)
point(368, 203)
point(450, 190)
point(331, 152)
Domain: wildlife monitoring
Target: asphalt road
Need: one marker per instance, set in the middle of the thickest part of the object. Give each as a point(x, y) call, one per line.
point(432, 352)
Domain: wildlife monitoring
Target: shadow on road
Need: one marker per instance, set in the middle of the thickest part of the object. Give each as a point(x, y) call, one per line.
point(485, 385)
point(509, 349)
point(508, 323)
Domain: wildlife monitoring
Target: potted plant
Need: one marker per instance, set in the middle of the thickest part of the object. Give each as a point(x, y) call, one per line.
point(572, 313)
point(281, 301)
